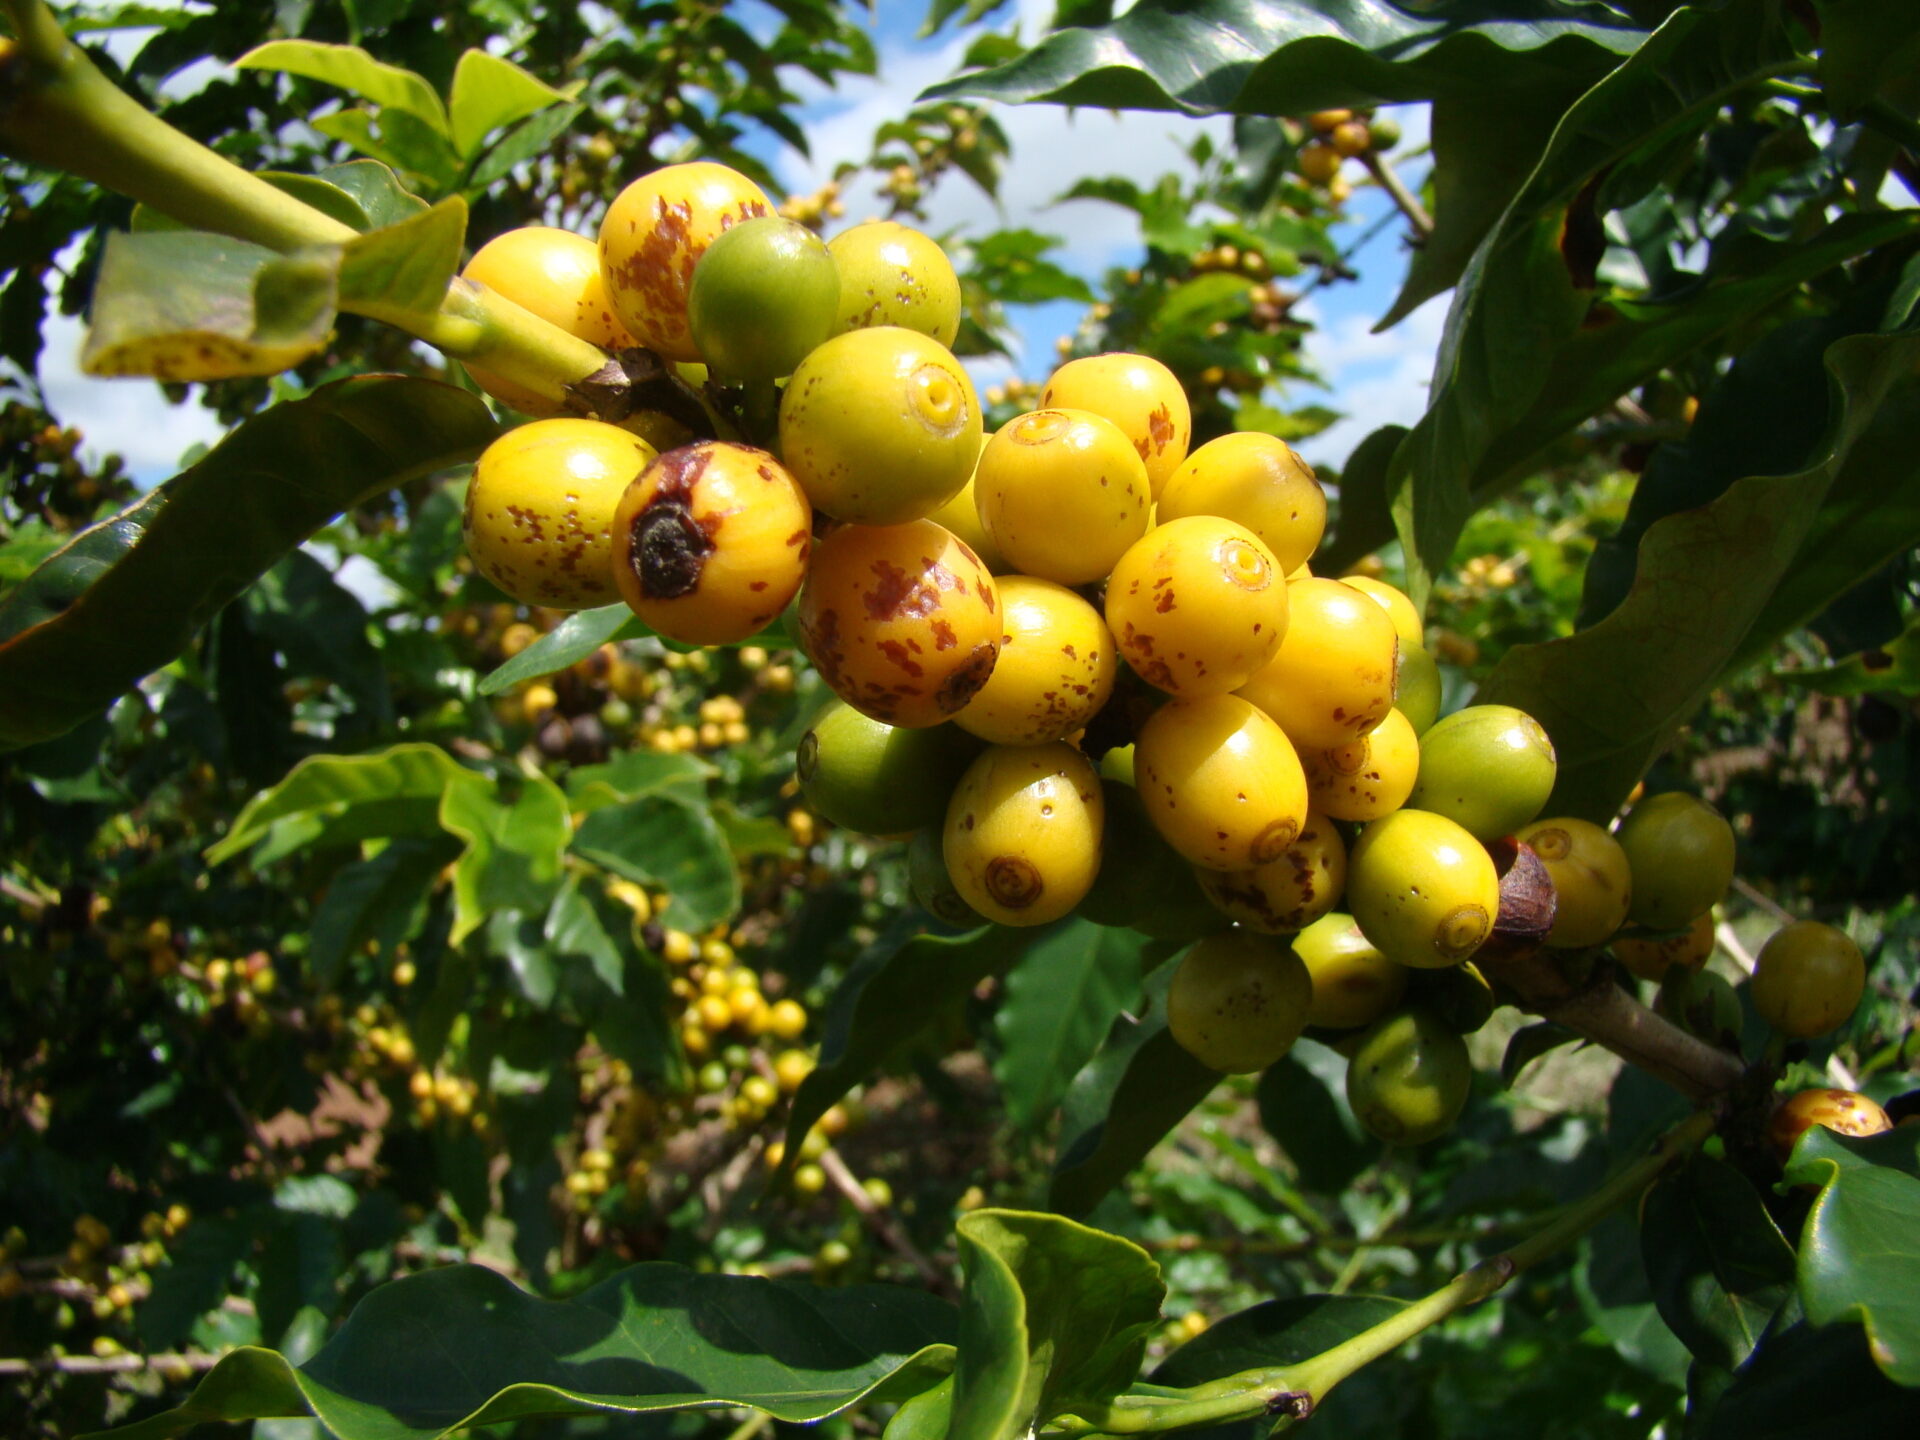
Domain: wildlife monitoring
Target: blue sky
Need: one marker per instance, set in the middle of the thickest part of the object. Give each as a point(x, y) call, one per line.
point(1373, 379)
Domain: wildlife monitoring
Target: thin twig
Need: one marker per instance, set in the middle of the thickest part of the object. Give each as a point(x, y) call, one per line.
point(890, 1231)
point(106, 1364)
point(1764, 901)
point(1409, 204)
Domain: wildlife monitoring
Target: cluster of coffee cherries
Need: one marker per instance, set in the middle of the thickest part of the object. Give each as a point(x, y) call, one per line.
point(1341, 135)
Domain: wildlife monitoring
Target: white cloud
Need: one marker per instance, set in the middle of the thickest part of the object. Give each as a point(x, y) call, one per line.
point(1373, 380)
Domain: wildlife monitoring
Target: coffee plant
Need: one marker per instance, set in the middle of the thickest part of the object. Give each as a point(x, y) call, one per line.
point(635, 852)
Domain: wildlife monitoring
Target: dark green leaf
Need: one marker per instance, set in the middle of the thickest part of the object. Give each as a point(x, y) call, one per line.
point(926, 1416)
point(1718, 1265)
point(194, 1280)
point(887, 1001)
point(1860, 1251)
point(1868, 50)
point(126, 596)
point(1810, 1384)
point(651, 1338)
point(1613, 695)
point(321, 629)
point(1206, 57)
point(185, 305)
point(513, 852)
point(1053, 1315)
point(383, 899)
point(489, 93)
point(568, 643)
point(1134, 1091)
point(662, 839)
point(1528, 1044)
point(341, 799)
point(1316, 1130)
point(1276, 1332)
point(1060, 1000)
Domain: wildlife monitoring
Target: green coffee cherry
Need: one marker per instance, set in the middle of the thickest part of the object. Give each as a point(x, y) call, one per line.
point(1807, 979)
point(1417, 689)
point(1488, 767)
point(1422, 889)
point(1238, 1001)
point(1353, 983)
point(880, 779)
point(1409, 1078)
point(1680, 850)
point(763, 296)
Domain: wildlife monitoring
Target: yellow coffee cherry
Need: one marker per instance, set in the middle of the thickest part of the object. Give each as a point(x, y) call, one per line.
point(1022, 835)
point(1592, 884)
point(790, 1067)
point(961, 515)
point(1258, 481)
point(714, 1012)
point(1422, 889)
point(556, 275)
point(809, 1180)
point(749, 1008)
point(1055, 671)
point(1288, 893)
point(1221, 782)
point(540, 508)
point(787, 1019)
point(655, 232)
point(892, 274)
point(1398, 605)
point(1063, 494)
point(1332, 678)
point(1350, 138)
point(880, 426)
point(759, 1092)
point(1198, 605)
point(1353, 983)
point(902, 621)
point(1650, 958)
point(1807, 979)
point(710, 542)
point(1138, 394)
point(1368, 777)
point(1238, 1001)
point(677, 947)
point(1319, 162)
point(1681, 851)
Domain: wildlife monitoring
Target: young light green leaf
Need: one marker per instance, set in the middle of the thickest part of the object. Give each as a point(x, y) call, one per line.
point(1061, 998)
point(489, 93)
point(635, 775)
point(1718, 1266)
point(664, 840)
point(376, 190)
point(513, 851)
point(1859, 1257)
point(184, 305)
point(352, 69)
point(651, 1338)
point(1053, 1316)
point(402, 271)
point(396, 139)
point(343, 799)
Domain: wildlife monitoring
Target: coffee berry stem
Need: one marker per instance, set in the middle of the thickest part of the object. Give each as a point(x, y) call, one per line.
point(1404, 199)
point(1289, 1394)
point(58, 110)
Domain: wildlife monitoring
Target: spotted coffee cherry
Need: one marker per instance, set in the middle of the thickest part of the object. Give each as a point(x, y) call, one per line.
point(1331, 681)
point(1288, 893)
point(1366, 778)
point(1139, 395)
point(1063, 494)
point(1056, 667)
point(1258, 481)
point(1238, 1001)
point(1197, 606)
point(711, 542)
point(1022, 834)
point(1221, 782)
point(1422, 888)
point(1592, 884)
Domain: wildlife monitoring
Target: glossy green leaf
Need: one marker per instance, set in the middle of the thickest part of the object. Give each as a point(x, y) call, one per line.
point(402, 270)
point(1613, 695)
point(352, 69)
point(885, 1004)
point(1718, 1265)
point(1893, 669)
point(127, 595)
point(635, 775)
point(568, 643)
point(489, 93)
point(185, 305)
point(650, 1338)
point(926, 1416)
point(376, 190)
point(529, 140)
point(396, 139)
point(1859, 1256)
point(1053, 1315)
point(1275, 1332)
point(513, 851)
point(1315, 1129)
point(1518, 303)
point(343, 799)
point(663, 840)
point(1121, 1105)
point(1805, 1383)
point(1245, 57)
point(1060, 1000)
